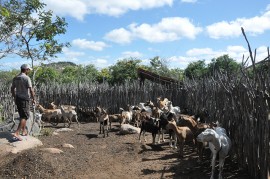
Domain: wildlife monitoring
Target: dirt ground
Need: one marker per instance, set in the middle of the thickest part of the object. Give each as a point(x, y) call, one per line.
point(116, 156)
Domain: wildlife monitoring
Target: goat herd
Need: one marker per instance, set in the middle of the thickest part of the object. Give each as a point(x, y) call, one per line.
point(160, 119)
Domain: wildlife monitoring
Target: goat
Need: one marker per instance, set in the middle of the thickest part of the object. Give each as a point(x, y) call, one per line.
point(149, 125)
point(219, 144)
point(202, 115)
point(174, 109)
point(196, 128)
point(126, 116)
point(54, 106)
point(104, 120)
point(162, 103)
point(115, 117)
point(164, 120)
point(50, 113)
point(38, 120)
point(68, 114)
point(183, 134)
point(147, 107)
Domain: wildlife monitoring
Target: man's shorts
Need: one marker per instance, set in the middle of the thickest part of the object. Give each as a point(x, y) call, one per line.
point(23, 108)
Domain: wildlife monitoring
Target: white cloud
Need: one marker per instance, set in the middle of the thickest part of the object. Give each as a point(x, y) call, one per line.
point(101, 63)
point(168, 29)
point(85, 44)
point(188, 1)
point(72, 54)
point(254, 26)
point(121, 36)
point(181, 61)
point(67, 7)
point(128, 54)
point(111, 7)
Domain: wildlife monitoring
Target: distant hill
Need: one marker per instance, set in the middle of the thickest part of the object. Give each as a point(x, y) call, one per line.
point(60, 65)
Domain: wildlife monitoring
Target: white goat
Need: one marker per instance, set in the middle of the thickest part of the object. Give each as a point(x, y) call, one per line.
point(68, 113)
point(174, 109)
point(219, 143)
point(126, 116)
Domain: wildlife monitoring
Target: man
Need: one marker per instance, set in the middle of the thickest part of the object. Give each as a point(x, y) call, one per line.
point(22, 90)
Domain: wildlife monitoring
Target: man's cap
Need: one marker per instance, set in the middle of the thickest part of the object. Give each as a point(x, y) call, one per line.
point(25, 67)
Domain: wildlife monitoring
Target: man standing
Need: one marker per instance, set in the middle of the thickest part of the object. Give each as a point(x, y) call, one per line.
point(22, 90)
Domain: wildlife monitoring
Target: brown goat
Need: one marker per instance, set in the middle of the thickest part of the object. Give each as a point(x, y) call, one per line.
point(50, 113)
point(196, 128)
point(183, 134)
point(162, 103)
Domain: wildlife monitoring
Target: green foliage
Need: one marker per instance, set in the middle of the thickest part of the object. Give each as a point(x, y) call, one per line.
point(124, 70)
point(223, 64)
point(158, 66)
point(196, 69)
point(34, 27)
point(69, 74)
point(104, 75)
point(7, 76)
point(46, 132)
point(4, 12)
point(177, 74)
point(46, 74)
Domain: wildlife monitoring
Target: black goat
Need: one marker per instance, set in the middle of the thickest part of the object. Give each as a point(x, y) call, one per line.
point(150, 125)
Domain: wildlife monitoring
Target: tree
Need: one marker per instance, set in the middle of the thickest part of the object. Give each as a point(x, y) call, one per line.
point(196, 69)
point(158, 66)
point(7, 44)
point(223, 64)
point(70, 74)
point(104, 75)
point(32, 30)
point(177, 74)
point(124, 70)
point(46, 74)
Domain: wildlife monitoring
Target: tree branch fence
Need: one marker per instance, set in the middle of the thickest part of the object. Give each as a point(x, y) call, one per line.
point(239, 103)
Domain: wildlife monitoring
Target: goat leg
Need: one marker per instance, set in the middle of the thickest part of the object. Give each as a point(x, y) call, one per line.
point(221, 164)
point(213, 165)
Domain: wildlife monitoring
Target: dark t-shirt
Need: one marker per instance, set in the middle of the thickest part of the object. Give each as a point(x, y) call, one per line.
point(22, 83)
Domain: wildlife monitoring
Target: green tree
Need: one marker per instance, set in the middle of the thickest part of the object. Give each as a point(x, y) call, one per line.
point(177, 74)
point(196, 69)
point(223, 64)
point(46, 74)
point(104, 75)
point(124, 70)
point(158, 66)
point(70, 74)
point(32, 30)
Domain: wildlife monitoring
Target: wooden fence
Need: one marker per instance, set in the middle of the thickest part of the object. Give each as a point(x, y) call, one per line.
point(239, 103)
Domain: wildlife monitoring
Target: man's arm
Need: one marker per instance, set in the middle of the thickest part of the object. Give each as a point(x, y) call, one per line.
point(32, 93)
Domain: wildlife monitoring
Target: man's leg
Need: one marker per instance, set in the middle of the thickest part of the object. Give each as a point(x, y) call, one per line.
point(20, 127)
point(23, 125)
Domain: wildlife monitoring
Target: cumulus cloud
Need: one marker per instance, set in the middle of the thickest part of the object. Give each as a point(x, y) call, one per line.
point(254, 26)
point(181, 61)
point(110, 8)
point(72, 54)
point(188, 1)
point(121, 36)
point(168, 29)
point(85, 44)
point(66, 8)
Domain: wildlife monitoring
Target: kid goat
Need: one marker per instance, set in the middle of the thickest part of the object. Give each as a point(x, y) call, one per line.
point(104, 120)
point(219, 144)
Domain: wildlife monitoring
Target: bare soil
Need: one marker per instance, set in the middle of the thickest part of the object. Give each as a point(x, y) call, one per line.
point(116, 156)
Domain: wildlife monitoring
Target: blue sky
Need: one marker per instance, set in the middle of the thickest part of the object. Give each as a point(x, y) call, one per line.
point(101, 32)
